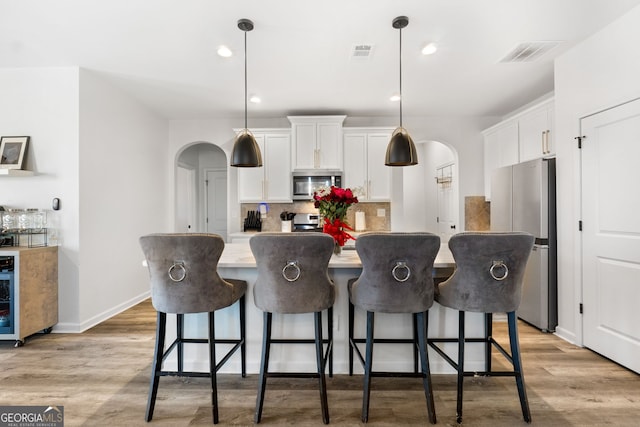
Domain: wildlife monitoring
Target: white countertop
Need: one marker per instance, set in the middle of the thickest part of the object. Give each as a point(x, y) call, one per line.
point(239, 255)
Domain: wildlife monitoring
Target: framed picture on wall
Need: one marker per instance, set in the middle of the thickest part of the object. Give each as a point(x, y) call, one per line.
point(12, 151)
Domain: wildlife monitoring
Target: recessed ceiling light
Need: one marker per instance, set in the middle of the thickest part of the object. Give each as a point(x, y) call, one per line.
point(224, 51)
point(395, 97)
point(255, 99)
point(429, 49)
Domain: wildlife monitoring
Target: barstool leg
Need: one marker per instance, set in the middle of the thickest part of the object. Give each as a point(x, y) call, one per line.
point(320, 363)
point(264, 365)
point(416, 342)
point(367, 367)
point(488, 333)
point(179, 335)
point(422, 320)
point(161, 329)
point(517, 364)
point(351, 343)
point(460, 365)
point(330, 338)
point(212, 366)
point(243, 331)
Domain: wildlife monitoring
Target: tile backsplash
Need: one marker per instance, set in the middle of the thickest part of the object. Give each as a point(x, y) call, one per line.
point(370, 209)
point(477, 214)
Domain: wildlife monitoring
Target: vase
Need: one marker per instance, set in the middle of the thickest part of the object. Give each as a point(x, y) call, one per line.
point(337, 249)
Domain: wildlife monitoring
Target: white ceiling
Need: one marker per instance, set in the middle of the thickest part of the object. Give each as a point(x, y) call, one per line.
point(163, 52)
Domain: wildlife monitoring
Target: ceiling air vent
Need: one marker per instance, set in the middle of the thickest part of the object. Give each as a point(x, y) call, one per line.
point(362, 51)
point(529, 51)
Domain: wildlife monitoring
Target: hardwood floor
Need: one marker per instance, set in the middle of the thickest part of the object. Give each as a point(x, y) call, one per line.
point(101, 378)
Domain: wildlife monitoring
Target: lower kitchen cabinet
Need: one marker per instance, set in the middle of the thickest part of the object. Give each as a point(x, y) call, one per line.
point(28, 291)
point(364, 153)
point(272, 181)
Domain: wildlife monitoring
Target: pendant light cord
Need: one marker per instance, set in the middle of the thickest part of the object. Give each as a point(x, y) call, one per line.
point(245, 80)
point(400, 77)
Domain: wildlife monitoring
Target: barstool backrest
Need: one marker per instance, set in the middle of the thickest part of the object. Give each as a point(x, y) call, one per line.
point(397, 272)
point(293, 272)
point(489, 271)
point(183, 272)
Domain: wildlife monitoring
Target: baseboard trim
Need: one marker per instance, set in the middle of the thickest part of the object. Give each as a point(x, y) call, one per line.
point(78, 328)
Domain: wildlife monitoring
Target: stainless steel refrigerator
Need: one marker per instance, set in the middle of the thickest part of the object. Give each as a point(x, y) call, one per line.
point(523, 198)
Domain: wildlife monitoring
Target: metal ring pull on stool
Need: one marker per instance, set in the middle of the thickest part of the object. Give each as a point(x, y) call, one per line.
point(292, 264)
point(401, 265)
point(499, 264)
point(177, 264)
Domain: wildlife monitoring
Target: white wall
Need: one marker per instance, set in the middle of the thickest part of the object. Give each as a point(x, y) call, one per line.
point(123, 195)
point(43, 103)
point(463, 135)
point(597, 74)
point(104, 156)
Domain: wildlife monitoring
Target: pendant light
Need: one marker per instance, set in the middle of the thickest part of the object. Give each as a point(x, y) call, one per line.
point(246, 152)
point(401, 150)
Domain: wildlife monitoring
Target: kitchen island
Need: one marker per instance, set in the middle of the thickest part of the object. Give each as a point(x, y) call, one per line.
point(237, 262)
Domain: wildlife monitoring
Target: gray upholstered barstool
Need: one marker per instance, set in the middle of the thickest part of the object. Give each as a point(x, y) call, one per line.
point(293, 278)
point(397, 277)
point(488, 279)
point(184, 279)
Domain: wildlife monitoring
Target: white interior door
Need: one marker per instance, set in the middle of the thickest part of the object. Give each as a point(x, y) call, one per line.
point(611, 233)
point(216, 203)
point(446, 209)
point(185, 199)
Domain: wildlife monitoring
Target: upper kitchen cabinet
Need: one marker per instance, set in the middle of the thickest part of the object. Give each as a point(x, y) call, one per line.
point(317, 142)
point(500, 149)
point(536, 132)
point(272, 181)
point(364, 152)
point(524, 136)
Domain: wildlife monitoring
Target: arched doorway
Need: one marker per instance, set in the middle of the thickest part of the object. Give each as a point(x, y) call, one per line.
point(201, 189)
point(431, 204)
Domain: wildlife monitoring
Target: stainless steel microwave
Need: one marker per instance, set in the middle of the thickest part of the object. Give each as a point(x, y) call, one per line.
point(306, 182)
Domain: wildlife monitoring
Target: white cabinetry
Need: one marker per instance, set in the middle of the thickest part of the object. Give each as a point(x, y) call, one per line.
point(536, 136)
point(272, 181)
point(364, 152)
point(317, 142)
point(500, 149)
point(524, 136)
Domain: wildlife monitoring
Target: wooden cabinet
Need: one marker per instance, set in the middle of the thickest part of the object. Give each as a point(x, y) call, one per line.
point(500, 149)
point(34, 293)
point(536, 132)
point(272, 181)
point(364, 152)
point(316, 142)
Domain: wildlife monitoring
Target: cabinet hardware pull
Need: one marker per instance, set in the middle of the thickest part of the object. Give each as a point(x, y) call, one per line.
point(548, 147)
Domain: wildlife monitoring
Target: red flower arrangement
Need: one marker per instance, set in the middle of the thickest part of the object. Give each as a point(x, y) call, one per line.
point(333, 202)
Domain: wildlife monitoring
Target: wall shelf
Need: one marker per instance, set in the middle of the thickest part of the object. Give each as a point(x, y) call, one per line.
point(15, 172)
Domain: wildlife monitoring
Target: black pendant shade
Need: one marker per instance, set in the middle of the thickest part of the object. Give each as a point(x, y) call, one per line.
point(245, 152)
point(401, 150)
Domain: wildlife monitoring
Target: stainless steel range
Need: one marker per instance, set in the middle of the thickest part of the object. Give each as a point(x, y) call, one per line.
point(306, 222)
